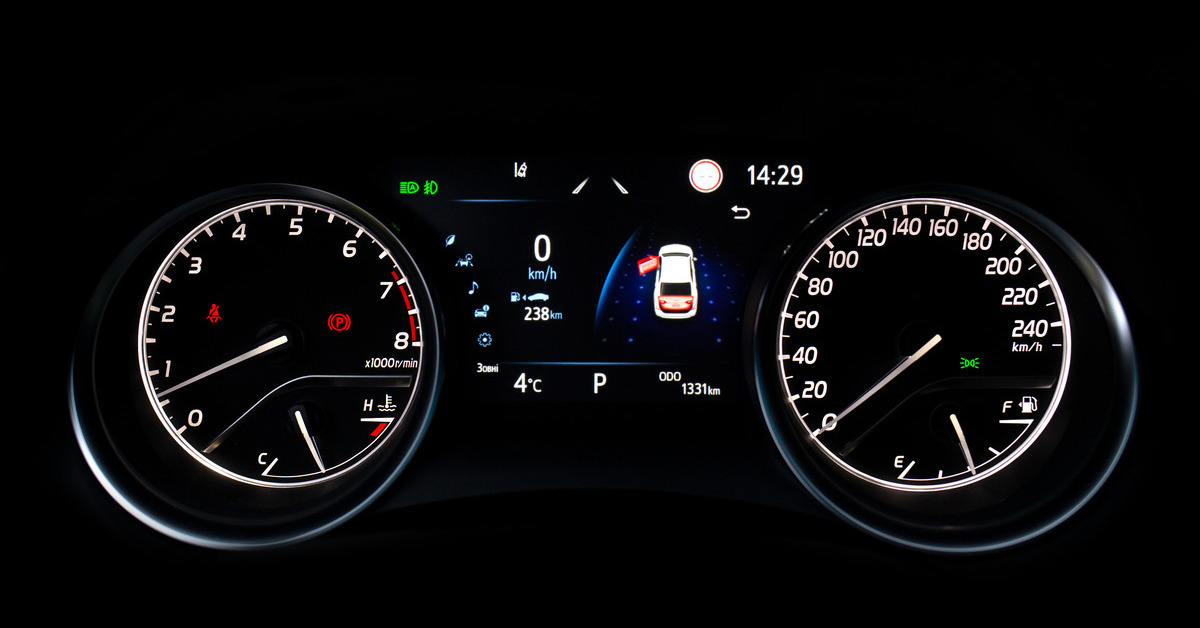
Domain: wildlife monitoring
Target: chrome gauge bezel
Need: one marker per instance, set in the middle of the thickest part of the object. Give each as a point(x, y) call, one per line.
point(1054, 475)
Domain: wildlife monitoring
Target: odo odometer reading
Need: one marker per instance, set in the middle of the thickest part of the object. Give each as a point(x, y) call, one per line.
point(280, 341)
point(923, 344)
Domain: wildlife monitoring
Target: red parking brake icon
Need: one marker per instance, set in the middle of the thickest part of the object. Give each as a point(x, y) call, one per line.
point(647, 264)
point(338, 322)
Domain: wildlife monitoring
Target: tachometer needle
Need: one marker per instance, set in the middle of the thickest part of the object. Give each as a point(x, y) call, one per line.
point(259, 350)
point(312, 447)
point(962, 441)
point(892, 374)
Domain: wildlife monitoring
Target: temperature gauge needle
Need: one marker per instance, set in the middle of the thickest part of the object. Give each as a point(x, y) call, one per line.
point(892, 374)
point(259, 350)
point(962, 441)
point(298, 413)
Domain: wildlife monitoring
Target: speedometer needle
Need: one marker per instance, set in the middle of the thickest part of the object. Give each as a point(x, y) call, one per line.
point(892, 374)
point(259, 350)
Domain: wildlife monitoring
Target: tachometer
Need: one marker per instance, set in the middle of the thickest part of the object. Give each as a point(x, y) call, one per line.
point(280, 340)
point(257, 367)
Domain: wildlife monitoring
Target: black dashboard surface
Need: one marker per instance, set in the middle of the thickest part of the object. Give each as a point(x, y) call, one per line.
point(1098, 141)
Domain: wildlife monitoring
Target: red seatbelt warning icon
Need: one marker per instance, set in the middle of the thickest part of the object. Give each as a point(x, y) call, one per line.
point(214, 314)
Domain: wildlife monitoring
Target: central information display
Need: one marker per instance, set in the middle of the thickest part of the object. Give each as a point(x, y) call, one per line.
point(587, 281)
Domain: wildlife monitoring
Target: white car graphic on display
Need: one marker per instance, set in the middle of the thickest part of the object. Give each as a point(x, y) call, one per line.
point(675, 294)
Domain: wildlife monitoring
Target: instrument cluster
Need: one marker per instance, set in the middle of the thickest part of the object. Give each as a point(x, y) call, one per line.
point(916, 332)
point(265, 360)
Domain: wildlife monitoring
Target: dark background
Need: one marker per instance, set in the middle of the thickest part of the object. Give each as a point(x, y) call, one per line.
point(1098, 134)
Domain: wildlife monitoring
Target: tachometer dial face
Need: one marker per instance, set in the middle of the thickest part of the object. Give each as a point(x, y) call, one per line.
point(923, 345)
point(280, 341)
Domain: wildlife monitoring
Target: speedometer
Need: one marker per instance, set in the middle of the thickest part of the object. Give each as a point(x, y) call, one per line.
point(923, 344)
point(920, 366)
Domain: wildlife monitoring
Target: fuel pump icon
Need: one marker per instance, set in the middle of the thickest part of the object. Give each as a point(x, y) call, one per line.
point(1028, 404)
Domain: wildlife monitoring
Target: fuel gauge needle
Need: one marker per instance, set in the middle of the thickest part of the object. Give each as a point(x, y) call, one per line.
point(312, 447)
point(892, 374)
point(962, 442)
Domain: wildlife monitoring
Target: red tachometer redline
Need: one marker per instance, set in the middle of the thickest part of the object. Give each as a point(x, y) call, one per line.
point(412, 323)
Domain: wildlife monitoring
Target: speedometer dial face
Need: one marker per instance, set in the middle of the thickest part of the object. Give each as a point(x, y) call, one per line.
point(923, 345)
point(280, 341)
